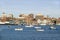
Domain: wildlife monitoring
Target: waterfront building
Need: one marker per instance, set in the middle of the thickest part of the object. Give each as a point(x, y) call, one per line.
point(34, 22)
point(21, 20)
point(0, 18)
point(27, 18)
point(3, 17)
point(10, 15)
point(21, 15)
point(53, 20)
point(39, 21)
point(58, 21)
point(39, 17)
point(31, 17)
point(44, 21)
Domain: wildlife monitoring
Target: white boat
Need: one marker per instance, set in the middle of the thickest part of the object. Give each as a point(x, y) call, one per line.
point(2, 23)
point(29, 26)
point(53, 27)
point(39, 29)
point(18, 29)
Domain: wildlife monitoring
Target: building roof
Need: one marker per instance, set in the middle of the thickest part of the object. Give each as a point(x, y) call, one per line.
point(21, 17)
point(39, 14)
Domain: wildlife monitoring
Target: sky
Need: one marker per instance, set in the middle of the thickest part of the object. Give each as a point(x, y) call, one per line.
point(16, 7)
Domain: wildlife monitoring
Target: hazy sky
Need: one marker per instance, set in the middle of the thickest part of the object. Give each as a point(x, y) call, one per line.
point(46, 7)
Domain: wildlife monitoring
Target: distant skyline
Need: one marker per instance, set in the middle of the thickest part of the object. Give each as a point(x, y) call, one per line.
point(16, 7)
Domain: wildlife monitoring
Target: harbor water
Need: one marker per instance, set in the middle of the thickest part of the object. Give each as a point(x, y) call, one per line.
point(8, 32)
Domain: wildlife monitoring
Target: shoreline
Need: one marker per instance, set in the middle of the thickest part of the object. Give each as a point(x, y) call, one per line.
point(8, 24)
point(28, 25)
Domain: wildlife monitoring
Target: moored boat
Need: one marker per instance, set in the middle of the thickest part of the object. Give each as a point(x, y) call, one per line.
point(18, 29)
point(39, 29)
point(28, 25)
point(52, 27)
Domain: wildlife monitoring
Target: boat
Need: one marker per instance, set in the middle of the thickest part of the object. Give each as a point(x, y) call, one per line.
point(18, 29)
point(7, 23)
point(52, 27)
point(29, 26)
point(39, 29)
point(2, 23)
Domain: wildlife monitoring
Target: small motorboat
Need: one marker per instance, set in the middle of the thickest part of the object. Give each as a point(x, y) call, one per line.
point(18, 29)
point(29, 26)
point(39, 29)
point(52, 27)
